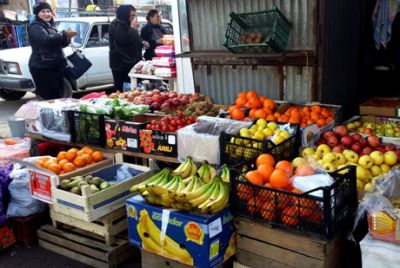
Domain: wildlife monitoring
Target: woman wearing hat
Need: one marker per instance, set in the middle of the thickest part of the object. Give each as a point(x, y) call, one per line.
point(47, 61)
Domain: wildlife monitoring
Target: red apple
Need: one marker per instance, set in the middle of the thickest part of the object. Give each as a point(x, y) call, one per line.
point(381, 149)
point(366, 151)
point(368, 131)
point(341, 131)
point(356, 137)
point(328, 134)
point(346, 141)
point(373, 141)
point(338, 149)
point(390, 147)
point(320, 141)
point(356, 147)
point(363, 142)
point(332, 141)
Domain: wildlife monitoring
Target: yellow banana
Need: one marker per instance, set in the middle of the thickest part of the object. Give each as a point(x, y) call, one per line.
point(198, 183)
point(184, 197)
point(225, 173)
point(167, 244)
point(185, 168)
point(202, 170)
point(213, 171)
point(220, 202)
point(193, 170)
point(214, 195)
point(153, 179)
point(200, 199)
point(165, 200)
point(181, 167)
point(157, 190)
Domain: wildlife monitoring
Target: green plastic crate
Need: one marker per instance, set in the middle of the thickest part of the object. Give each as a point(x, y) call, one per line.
point(273, 25)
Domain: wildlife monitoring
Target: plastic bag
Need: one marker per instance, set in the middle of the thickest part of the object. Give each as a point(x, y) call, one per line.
point(163, 62)
point(197, 139)
point(53, 118)
point(165, 51)
point(165, 72)
point(19, 150)
point(308, 183)
point(123, 173)
point(138, 67)
point(148, 68)
point(383, 208)
point(21, 202)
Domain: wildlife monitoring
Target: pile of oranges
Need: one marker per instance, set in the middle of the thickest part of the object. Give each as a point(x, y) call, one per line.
point(264, 108)
point(271, 204)
point(70, 160)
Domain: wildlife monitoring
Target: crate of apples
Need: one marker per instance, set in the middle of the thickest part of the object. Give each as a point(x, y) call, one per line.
point(171, 123)
point(68, 161)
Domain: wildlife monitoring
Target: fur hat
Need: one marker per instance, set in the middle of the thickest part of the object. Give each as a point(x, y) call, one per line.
point(40, 6)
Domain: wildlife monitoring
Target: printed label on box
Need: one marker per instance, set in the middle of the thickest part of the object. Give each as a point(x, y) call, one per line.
point(214, 249)
point(194, 233)
point(40, 186)
point(215, 228)
point(132, 143)
point(172, 139)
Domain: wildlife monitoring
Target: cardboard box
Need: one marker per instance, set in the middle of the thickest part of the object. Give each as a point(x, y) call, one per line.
point(159, 143)
point(124, 134)
point(378, 119)
point(381, 106)
point(193, 239)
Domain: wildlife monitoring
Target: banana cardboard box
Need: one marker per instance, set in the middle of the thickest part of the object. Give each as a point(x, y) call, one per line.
point(197, 240)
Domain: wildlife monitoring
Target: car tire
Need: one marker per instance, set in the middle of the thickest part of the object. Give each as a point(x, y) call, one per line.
point(11, 95)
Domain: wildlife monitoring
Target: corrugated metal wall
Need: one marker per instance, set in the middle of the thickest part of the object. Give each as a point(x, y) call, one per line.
point(208, 19)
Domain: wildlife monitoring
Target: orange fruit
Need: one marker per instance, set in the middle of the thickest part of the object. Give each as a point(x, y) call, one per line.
point(238, 114)
point(88, 158)
point(79, 161)
point(68, 167)
point(55, 168)
point(255, 177)
point(265, 170)
point(265, 159)
point(233, 107)
point(244, 192)
point(70, 155)
point(61, 155)
point(262, 98)
point(268, 210)
point(316, 216)
point(255, 102)
point(44, 159)
point(270, 104)
point(290, 216)
point(252, 112)
point(279, 179)
point(251, 94)
point(271, 118)
point(285, 165)
point(97, 156)
point(63, 162)
point(242, 95)
point(80, 153)
point(260, 113)
point(321, 122)
point(73, 150)
point(254, 205)
point(49, 162)
point(87, 150)
point(240, 101)
point(9, 142)
point(316, 108)
point(304, 170)
point(39, 163)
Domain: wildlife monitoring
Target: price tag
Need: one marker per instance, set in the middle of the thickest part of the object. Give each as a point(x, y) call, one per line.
point(172, 139)
point(132, 143)
point(215, 227)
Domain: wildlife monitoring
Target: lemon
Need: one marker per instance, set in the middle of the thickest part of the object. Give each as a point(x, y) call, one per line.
point(268, 132)
point(272, 125)
point(278, 132)
point(278, 140)
point(259, 135)
point(285, 134)
point(261, 123)
point(245, 132)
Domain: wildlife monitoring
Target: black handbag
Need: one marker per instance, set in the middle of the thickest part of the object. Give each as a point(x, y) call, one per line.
point(77, 65)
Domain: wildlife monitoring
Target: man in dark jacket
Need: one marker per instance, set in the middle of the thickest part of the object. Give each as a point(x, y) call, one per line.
point(125, 45)
point(152, 32)
point(47, 61)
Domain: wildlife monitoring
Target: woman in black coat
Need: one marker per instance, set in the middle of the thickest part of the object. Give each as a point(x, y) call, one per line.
point(125, 45)
point(152, 32)
point(47, 61)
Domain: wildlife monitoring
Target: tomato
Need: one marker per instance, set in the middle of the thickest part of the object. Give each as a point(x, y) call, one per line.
point(148, 126)
point(172, 129)
point(178, 122)
point(173, 123)
point(153, 122)
point(164, 128)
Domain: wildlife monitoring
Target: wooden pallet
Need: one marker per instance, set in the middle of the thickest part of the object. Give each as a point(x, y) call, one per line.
point(107, 226)
point(85, 248)
point(260, 245)
point(155, 261)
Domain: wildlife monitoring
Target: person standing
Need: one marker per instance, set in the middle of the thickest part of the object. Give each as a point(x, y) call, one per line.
point(125, 45)
point(47, 62)
point(152, 32)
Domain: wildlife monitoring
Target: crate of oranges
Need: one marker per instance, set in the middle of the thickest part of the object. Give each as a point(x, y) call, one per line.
point(263, 190)
point(67, 164)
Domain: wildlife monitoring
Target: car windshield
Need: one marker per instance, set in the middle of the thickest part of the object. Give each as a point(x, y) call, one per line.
point(80, 27)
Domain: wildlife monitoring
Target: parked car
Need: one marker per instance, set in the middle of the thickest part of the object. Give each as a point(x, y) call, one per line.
point(92, 40)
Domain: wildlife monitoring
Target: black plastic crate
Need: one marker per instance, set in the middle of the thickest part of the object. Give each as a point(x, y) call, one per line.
point(234, 148)
point(272, 24)
point(304, 212)
point(87, 128)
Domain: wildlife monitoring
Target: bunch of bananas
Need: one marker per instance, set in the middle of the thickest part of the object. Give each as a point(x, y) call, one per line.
point(153, 240)
point(194, 193)
point(187, 169)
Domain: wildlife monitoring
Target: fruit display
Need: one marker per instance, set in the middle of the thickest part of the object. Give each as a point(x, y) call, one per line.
point(153, 240)
point(171, 123)
point(112, 108)
point(188, 188)
point(270, 204)
point(75, 184)
point(264, 108)
point(67, 161)
point(380, 129)
point(204, 106)
point(160, 101)
point(262, 130)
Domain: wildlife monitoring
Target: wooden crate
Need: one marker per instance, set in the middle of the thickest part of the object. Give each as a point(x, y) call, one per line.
point(85, 248)
point(260, 245)
point(107, 226)
point(155, 261)
point(89, 207)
